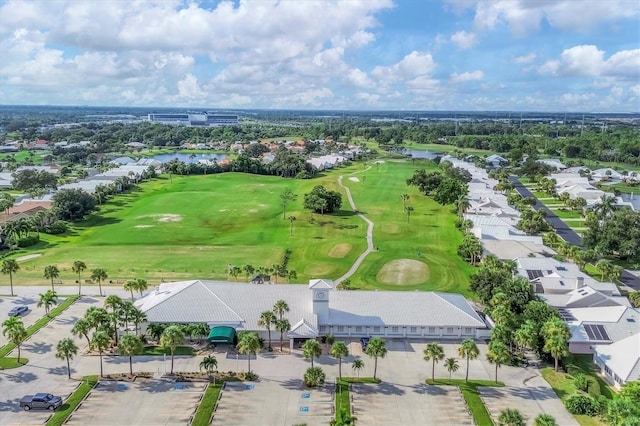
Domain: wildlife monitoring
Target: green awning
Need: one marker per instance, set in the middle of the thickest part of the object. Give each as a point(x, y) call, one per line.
point(222, 335)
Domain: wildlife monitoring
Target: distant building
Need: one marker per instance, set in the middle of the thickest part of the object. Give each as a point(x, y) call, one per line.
point(205, 119)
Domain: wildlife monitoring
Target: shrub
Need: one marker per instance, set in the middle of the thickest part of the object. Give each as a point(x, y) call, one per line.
point(28, 241)
point(581, 404)
point(314, 377)
point(602, 404)
point(573, 369)
point(58, 227)
point(593, 387)
point(580, 382)
point(545, 420)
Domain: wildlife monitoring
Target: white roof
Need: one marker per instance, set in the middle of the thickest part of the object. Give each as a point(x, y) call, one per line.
point(326, 284)
point(508, 249)
point(622, 357)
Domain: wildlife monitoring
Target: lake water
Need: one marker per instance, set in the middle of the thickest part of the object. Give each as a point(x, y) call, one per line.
point(187, 158)
point(416, 153)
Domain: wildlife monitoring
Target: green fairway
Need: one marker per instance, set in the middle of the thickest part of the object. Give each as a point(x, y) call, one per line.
point(195, 226)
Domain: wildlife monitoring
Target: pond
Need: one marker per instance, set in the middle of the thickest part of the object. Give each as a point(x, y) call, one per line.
point(416, 153)
point(188, 158)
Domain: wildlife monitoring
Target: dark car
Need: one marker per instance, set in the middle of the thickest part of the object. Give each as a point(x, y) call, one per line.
point(17, 311)
point(40, 401)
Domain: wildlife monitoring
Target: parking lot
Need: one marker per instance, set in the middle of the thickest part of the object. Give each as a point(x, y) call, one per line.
point(273, 402)
point(153, 402)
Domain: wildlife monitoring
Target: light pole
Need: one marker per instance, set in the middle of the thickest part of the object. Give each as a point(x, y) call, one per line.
point(237, 363)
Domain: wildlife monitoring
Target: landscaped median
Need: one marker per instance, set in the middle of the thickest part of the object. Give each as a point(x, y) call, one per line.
point(343, 399)
point(63, 413)
point(471, 396)
point(6, 362)
point(207, 405)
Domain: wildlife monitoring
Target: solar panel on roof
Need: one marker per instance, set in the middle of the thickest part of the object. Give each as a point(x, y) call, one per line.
point(596, 332)
point(534, 273)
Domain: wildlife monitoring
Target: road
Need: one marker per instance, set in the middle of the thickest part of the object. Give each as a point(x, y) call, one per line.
point(568, 234)
point(369, 249)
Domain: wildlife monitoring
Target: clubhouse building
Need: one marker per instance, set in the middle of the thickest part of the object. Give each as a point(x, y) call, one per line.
point(315, 310)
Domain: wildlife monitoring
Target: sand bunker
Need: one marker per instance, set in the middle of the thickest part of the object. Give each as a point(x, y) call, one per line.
point(169, 217)
point(354, 179)
point(27, 257)
point(378, 162)
point(144, 226)
point(403, 272)
point(340, 250)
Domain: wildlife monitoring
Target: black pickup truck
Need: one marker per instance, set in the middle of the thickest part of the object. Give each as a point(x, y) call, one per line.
point(40, 401)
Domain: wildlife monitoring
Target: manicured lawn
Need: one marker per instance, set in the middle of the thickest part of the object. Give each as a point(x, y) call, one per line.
point(343, 401)
point(207, 405)
point(191, 227)
point(471, 396)
point(159, 350)
point(622, 187)
point(567, 214)
point(63, 413)
point(41, 323)
point(7, 363)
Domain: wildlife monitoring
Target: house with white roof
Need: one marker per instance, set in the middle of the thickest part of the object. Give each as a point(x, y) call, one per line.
point(607, 174)
point(619, 362)
point(495, 161)
point(555, 163)
point(316, 309)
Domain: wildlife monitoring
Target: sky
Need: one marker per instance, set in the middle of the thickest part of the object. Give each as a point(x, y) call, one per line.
point(516, 55)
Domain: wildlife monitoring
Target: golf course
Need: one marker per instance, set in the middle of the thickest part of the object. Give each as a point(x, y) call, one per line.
point(187, 227)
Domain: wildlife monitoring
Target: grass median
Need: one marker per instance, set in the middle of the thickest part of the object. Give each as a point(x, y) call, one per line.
point(6, 349)
point(63, 413)
point(471, 396)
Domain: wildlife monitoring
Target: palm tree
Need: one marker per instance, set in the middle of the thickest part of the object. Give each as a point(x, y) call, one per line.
point(66, 349)
point(434, 353)
point(405, 198)
point(462, 204)
point(409, 210)
point(51, 272)
point(510, 417)
point(283, 326)
point(131, 345)
point(100, 341)
point(604, 266)
point(10, 266)
point(291, 220)
point(339, 350)
point(98, 318)
point(48, 299)
point(137, 317)
point(526, 336)
point(357, 365)
point(498, 354)
point(311, 349)
point(130, 285)
point(468, 350)
point(291, 275)
point(556, 336)
point(13, 329)
point(248, 270)
point(376, 349)
point(115, 303)
point(99, 274)
point(267, 319)
point(545, 420)
point(280, 307)
point(451, 365)
point(249, 344)
point(172, 336)
point(77, 267)
point(314, 377)
point(209, 363)
point(141, 285)
point(81, 328)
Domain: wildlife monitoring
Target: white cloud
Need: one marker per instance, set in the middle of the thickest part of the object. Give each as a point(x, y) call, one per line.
point(464, 77)
point(589, 61)
point(414, 64)
point(358, 78)
point(464, 40)
point(525, 59)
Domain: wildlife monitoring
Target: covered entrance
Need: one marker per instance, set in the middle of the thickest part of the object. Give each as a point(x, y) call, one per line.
point(222, 334)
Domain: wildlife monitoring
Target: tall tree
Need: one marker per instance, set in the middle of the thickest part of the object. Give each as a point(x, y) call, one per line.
point(311, 349)
point(498, 354)
point(280, 307)
point(13, 329)
point(357, 365)
point(100, 341)
point(434, 352)
point(248, 270)
point(209, 363)
point(339, 350)
point(82, 328)
point(409, 210)
point(376, 349)
point(267, 319)
point(291, 220)
point(77, 267)
point(99, 274)
point(468, 350)
point(249, 344)
point(131, 345)
point(115, 303)
point(287, 196)
point(66, 349)
point(51, 272)
point(10, 266)
point(172, 336)
point(283, 326)
point(556, 338)
point(130, 285)
point(404, 197)
point(48, 299)
point(451, 364)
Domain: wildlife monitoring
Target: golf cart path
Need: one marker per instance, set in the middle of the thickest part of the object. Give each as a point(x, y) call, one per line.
point(370, 225)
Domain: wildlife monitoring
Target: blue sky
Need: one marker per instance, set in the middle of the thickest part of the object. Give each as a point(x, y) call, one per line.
point(550, 55)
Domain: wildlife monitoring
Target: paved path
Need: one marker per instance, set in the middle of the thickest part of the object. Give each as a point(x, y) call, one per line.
point(568, 234)
point(370, 225)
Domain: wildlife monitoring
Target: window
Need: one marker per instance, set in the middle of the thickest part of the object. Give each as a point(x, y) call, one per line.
point(358, 329)
point(608, 371)
point(413, 330)
point(340, 329)
point(394, 329)
point(376, 329)
point(432, 330)
point(323, 329)
point(449, 330)
point(468, 330)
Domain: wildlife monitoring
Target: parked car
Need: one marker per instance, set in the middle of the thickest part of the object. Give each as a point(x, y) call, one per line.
point(40, 401)
point(17, 311)
point(365, 342)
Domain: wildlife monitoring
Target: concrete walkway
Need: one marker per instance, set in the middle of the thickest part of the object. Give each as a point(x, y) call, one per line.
point(369, 248)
